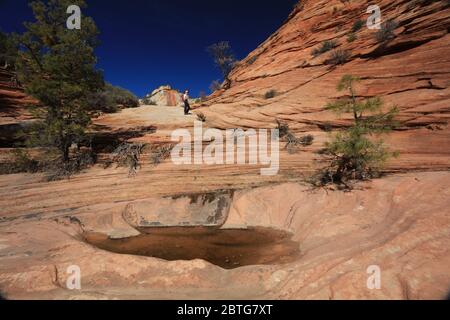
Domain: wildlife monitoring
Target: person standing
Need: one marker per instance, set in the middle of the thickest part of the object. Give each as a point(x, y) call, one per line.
point(187, 107)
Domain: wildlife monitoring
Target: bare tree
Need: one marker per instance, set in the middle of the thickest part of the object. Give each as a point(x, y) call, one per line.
point(215, 85)
point(223, 57)
point(202, 96)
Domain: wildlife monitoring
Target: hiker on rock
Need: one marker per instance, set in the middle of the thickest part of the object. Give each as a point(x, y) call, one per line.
point(187, 107)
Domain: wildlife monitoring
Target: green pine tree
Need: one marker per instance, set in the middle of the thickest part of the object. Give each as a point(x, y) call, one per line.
point(355, 153)
point(57, 67)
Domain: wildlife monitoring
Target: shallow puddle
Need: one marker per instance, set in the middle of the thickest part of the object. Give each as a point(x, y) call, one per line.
point(227, 248)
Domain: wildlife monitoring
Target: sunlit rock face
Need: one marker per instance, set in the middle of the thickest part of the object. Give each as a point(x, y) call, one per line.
point(411, 71)
point(207, 209)
point(165, 96)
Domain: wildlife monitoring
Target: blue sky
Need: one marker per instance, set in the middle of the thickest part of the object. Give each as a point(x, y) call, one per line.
point(145, 44)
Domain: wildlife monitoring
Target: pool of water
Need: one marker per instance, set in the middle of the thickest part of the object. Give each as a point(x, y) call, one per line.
point(227, 248)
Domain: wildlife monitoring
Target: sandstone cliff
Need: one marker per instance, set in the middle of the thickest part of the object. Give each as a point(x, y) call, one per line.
point(13, 108)
point(412, 71)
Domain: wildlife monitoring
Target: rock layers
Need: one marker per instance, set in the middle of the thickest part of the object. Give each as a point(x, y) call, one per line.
point(411, 71)
point(13, 112)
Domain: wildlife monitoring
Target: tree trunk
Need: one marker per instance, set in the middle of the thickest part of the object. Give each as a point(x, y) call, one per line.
point(65, 151)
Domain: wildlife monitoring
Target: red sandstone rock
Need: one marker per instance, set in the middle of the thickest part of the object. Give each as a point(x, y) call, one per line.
point(411, 71)
point(13, 101)
point(400, 223)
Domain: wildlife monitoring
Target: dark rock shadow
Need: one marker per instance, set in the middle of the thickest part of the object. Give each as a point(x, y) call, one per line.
point(104, 140)
point(9, 107)
point(9, 134)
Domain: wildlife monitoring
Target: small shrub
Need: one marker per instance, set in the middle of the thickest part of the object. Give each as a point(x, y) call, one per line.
point(270, 94)
point(327, 127)
point(201, 117)
point(160, 154)
point(292, 142)
point(307, 140)
point(148, 102)
point(60, 170)
point(353, 157)
point(128, 155)
point(357, 25)
point(338, 56)
point(351, 37)
point(50, 163)
point(100, 102)
point(283, 128)
point(24, 163)
point(121, 96)
point(48, 159)
point(57, 169)
point(386, 32)
point(111, 99)
point(252, 60)
point(21, 163)
point(326, 46)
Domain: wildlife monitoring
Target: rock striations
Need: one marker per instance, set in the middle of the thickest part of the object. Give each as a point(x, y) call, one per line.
point(399, 224)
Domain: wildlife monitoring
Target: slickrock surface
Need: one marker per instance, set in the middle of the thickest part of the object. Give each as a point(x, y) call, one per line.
point(411, 71)
point(400, 223)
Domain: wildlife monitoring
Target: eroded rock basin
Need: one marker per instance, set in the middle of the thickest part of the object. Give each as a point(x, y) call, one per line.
point(227, 248)
point(399, 223)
